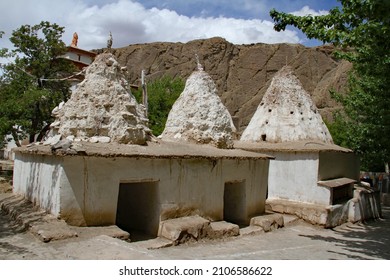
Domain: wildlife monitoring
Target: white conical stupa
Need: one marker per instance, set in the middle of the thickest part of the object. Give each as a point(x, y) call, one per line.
point(286, 113)
point(102, 106)
point(198, 115)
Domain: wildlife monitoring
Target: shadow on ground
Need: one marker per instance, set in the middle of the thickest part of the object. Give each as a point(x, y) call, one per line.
point(9, 227)
point(368, 240)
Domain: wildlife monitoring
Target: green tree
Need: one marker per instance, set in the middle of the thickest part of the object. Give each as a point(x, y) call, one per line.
point(162, 94)
point(31, 85)
point(360, 30)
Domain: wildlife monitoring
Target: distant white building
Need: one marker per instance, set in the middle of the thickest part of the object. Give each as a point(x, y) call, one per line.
point(80, 58)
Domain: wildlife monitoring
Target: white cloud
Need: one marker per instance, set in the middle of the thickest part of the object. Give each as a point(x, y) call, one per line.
point(306, 10)
point(130, 22)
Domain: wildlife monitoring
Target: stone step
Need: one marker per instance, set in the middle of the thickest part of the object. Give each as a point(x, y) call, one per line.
point(188, 228)
point(47, 227)
point(223, 229)
point(251, 230)
point(153, 244)
point(268, 222)
point(183, 229)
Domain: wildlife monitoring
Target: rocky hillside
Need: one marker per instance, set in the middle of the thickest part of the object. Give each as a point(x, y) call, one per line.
point(242, 73)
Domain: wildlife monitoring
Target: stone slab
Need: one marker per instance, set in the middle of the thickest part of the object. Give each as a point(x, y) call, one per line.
point(21, 210)
point(251, 230)
point(153, 244)
point(182, 229)
point(312, 213)
point(45, 226)
point(363, 206)
point(223, 229)
point(268, 222)
point(112, 231)
point(52, 230)
point(289, 219)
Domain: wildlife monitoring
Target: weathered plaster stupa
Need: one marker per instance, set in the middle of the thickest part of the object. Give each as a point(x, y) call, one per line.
point(286, 113)
point(102, 108)
point(199, 116)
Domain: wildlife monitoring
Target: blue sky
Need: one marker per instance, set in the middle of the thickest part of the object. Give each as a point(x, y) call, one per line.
point(244, 9)
point(237, 9)
point(142, 21)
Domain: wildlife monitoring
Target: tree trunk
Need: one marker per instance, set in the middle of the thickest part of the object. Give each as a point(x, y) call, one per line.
point(43, 132)
point(34, 123)
point(16, 137)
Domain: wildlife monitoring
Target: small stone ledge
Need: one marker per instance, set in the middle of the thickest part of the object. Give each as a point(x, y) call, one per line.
point(32, 218)
point(251, 230)
point(53, 230)
point(154, 244)
point(112, 231)
point(193, 228)
point(47, 227)
point(21, 210)
point(268, 222)
point(363, 206)
point(223, 229)
point(312, 213)
point(181, 230)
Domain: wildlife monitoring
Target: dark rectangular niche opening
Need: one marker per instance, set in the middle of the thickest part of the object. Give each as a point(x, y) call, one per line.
point(234, 200)
point(138, 210)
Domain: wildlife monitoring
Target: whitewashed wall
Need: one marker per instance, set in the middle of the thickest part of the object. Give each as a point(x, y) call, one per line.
point(294, 177)
point(78, 57)
point(84, 190)
point(39, 179)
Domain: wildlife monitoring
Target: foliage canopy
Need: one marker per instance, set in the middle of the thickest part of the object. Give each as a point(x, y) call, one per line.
point(31, 85)
point(360, 30)
point(162, 94)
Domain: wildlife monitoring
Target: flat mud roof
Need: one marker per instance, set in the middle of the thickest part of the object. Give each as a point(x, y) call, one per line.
point(299, 146)
point(160, 149)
